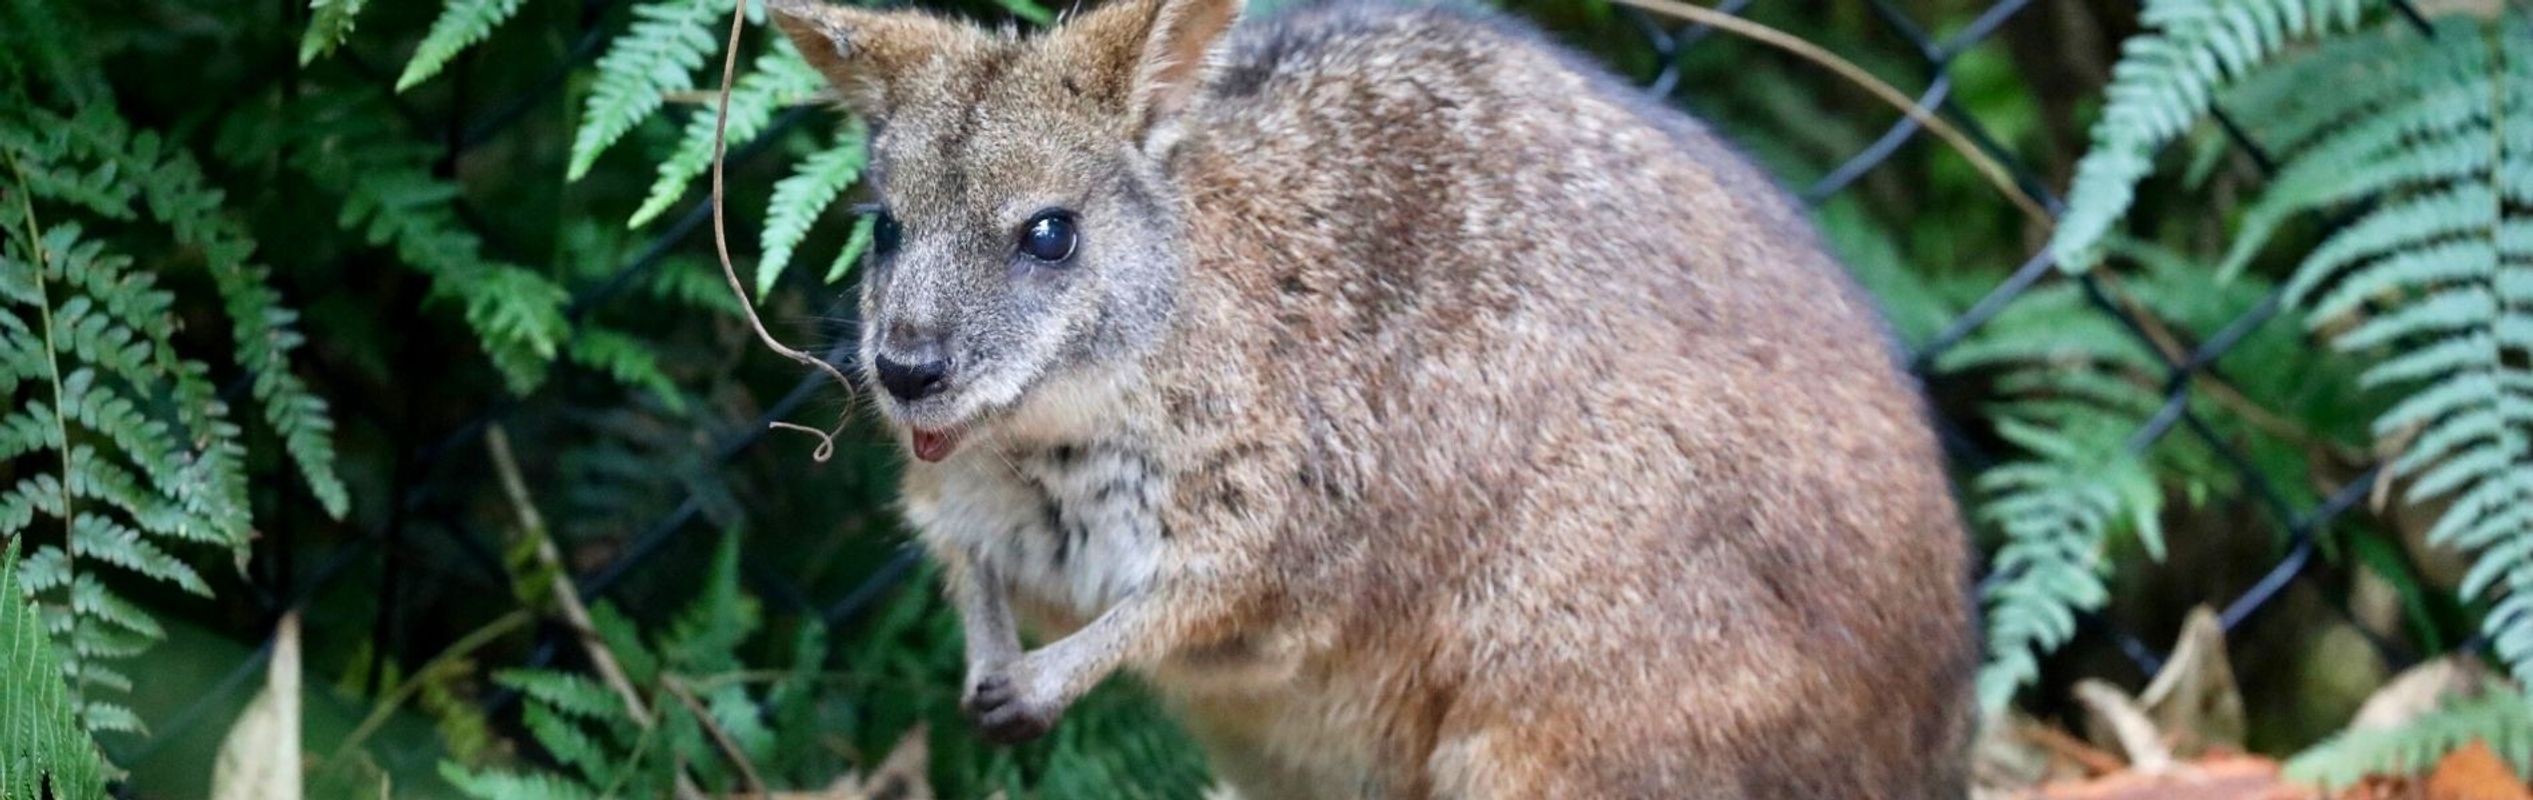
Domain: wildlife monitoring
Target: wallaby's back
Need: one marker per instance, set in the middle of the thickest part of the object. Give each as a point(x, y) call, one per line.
point(1593, 475)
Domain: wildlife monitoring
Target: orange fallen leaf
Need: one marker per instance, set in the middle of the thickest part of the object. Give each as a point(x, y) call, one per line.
point(2475, 773)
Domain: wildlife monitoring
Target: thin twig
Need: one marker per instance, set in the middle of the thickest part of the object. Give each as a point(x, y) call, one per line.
point(721, 244)
point(720, 738)
point(566, 598)
point(1987, 166)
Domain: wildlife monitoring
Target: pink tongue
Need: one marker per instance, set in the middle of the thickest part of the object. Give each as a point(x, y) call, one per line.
point(934, 446)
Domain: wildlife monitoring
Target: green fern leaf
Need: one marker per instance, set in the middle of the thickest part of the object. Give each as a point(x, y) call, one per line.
point(703, 636)
point(2502, 719)
point(45, 570)
point(2424, 140)
point(329, 23)
point(659, 54)
point(568, 693)
point(800, 199)
point(629, 360)
point(855, 244)
point(2437, 273)
point(461, 24)
point(390, 195)
point(146, 454)
point(2056, 511)
point(694, 284)
point(264, 331)
point(624, 639)
point(89, 597)
point(494, 785)
point(2164, 82)
point(779, 77)
point(93, 536)
point(569, 744)
point(46, 751)
point(109, 717)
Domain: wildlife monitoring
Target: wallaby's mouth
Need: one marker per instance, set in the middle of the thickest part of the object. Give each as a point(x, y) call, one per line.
point(934, 445)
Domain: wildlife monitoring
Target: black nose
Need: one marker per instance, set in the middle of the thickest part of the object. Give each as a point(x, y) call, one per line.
point(912, 382)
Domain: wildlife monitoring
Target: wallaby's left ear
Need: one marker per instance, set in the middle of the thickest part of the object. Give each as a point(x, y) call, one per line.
point(1177, 56)
point(1160, 52)
point(867, 54)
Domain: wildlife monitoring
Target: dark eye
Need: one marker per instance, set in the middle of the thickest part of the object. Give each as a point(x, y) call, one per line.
point(1049, 236)
point(884, 233)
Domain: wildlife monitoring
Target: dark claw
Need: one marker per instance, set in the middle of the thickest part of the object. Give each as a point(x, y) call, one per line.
point(1001, 716)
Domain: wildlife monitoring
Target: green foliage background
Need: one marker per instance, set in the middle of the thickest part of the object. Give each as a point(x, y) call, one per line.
point(272, 270)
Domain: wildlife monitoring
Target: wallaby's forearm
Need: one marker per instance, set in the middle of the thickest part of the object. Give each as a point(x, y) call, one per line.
point(983, 600)
point(1021, 698)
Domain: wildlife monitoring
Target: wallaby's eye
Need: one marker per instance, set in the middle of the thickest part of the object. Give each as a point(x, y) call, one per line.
point(884, 235)
point(1049, 236)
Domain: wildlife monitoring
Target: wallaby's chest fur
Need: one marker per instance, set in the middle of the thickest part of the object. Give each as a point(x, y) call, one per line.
point(1423, 412)
point(1073, 522)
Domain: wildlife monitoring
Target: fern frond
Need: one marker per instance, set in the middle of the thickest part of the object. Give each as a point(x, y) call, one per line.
point(778, 78)
point(495, 785)
point(95, 642)
point(2503, 719)
point(176, 194)
point(800, 199)
point(629, 360)
point(95, 537)
point(2436, 274)
point(389, 194)
point(46, 751)
point(2164, 83)
point(29, 429)
point(577, 695)
point(2056, 511)
point(2424, 138)
point(643, 760)
point(147, 462)
point(703, 636)
point(855, 244)
point(624, 639)
point(329, 23)
point(89, 597)
point(263, 330)
point(46, 569)
point(569, 744)
point(102, 716)
point(657, 55)
point(740, 718)
point(461, 24)
point(694, 284)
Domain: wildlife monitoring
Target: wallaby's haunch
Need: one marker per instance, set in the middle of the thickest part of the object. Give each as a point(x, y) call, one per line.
point(1422, 411)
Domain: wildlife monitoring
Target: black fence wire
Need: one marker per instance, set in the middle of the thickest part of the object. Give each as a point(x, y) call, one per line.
point(1668, 41)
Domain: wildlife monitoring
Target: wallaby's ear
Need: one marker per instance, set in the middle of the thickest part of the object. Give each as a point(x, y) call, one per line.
point(1177, 56)
point(1163, 48)
point(866, 53)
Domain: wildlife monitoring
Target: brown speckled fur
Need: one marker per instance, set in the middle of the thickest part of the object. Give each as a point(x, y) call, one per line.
point(1424, 413)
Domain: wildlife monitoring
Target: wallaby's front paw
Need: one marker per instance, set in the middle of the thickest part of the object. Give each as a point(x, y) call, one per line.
point(1000, 705)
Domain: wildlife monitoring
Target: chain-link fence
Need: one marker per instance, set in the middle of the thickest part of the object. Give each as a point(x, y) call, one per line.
point(468, 125)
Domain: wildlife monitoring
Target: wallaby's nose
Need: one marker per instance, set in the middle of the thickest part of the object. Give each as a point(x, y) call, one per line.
point(912, 382)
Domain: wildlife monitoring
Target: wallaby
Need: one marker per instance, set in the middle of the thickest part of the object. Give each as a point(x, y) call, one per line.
point(1420, 410)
